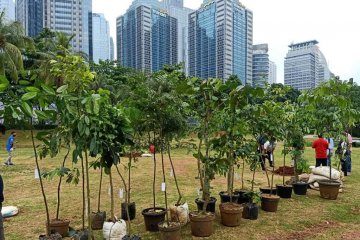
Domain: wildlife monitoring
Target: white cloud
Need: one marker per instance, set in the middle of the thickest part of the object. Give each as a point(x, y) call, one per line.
point(280, 22)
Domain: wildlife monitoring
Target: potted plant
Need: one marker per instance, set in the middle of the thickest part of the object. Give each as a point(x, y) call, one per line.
point(331, 112)
point(53, 142)
point(98, 218)
point(204, 99)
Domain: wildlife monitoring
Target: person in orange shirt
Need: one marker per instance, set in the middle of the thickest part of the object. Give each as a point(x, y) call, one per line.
point(321, 146)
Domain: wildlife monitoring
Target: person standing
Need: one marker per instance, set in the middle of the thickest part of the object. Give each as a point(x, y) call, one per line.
point(2, 236)
point(349, 151)
point(10, 148)
point(330, 150)
point(321, 146)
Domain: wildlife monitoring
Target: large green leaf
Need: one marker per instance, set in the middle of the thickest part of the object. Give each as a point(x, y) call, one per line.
point(25, 107)
point(28, 96)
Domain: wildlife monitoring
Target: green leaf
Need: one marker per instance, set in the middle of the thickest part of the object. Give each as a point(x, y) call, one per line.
point(3, 86)
point(62, 89)
point(48, 90)
point(42, 115)
point(3, 80)
point(32, 89)
point(26, 109)
point(24, 83)
point(28, 96)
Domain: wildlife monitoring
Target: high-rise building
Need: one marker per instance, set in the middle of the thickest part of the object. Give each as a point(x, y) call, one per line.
point(31, 14)
point(152, 33)
point(220, 40)
point(272, 72)
point(8, 6)
point(112, 50)
point(260, 65)
point(100, 38)
point(72, 17)
point(305, 66)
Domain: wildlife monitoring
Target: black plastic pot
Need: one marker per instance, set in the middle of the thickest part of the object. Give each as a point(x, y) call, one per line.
point(268, 190)
point(284, 191)
point(300, 188)
point(210, 207)
point(153, 217)
point(251, 211)
point(243, 198)
point(225, 197)
point(132, 211)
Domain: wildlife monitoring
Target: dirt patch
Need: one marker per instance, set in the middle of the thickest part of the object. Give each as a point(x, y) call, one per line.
point(355, 211)
point(306, 233)
point(351, 235)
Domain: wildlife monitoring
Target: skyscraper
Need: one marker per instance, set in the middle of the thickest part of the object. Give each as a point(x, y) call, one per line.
point(100, 38)
point(9, 7)
point(220, 40)
point(112, 49)
point(272, 72)
point(31, 14)
point(71, 17)
point(305, 66)
point(152, 33)
point(260, 65)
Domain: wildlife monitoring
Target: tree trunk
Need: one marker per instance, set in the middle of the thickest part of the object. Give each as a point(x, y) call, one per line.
point(40, 178)
point(100, 184)
point(112, 215)
point(127, 202)
point(242, 174)
point(88, 194)
point(154, 179)
point(173, 169)
point(83, 193)
point(164, 181)
point(59, 186)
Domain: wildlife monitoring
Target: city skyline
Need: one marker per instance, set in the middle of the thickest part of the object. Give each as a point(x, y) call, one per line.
point(281, 22)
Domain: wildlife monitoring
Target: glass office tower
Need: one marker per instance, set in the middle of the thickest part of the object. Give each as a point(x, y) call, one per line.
point(261, 65)
point(305, 66)
point(71, 17)
point(220, 40)
point(30, 13)
point(153, 33)
point(100, 38)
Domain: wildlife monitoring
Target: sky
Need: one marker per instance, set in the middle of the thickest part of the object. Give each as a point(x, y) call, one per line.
point(335, 24)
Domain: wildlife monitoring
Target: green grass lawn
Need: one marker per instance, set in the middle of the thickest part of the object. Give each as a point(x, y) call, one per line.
point(301, 217)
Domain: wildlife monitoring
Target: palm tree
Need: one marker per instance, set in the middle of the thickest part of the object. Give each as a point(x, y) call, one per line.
point(12, 41)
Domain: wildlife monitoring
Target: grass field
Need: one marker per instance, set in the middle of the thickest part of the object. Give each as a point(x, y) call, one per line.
point(301, 217)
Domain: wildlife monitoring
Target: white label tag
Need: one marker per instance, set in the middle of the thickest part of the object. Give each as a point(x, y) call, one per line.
point(121, 193)
point(163, 187)
point(36, 174)
point(237, 176)
point(199, 192)
point(86, 208)
point(171, 173)
point(109, 191)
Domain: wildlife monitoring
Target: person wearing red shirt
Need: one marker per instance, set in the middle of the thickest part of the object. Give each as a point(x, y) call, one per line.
point(321, 147)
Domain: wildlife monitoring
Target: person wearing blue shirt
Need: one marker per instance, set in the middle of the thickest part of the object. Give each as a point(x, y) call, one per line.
point(10, 148)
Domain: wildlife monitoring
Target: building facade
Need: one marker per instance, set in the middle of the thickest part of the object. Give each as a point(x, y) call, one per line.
point(8, 6)
point(73, 17)
point(112, 50)
point(261, 65)
point(152, 33)
point(31, 14)
point(100, 38)
point(220, 40)
point(272, 72)
point(305, 66)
